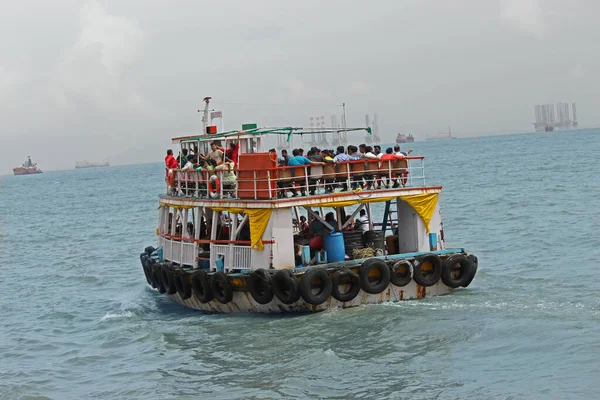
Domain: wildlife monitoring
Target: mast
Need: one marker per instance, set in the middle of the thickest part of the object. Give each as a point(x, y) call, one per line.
point(205, 114)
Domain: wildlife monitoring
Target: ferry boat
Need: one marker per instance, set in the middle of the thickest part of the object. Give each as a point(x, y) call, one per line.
point(230, 245)
point(27, 168)
point(87, 164)
point(401, 138)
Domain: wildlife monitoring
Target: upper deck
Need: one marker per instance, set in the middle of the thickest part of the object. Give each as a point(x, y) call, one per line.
point(284, 186)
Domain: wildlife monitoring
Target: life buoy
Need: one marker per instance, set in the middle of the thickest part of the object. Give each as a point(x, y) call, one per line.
point(171, 178)
point(401, 273)
point(182, 282)
point(285, 286)
point(345, 277)
point(456, 271)
point(315, 286)
point(221, 288)
point(474, 264)
point(201, 286)
point(214, 190)
point(157, 274)
point(369, 281)
point(259, 286)
point(427, 270)
point(168, 279)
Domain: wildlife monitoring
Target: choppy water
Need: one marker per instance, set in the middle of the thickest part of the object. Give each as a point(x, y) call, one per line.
point(79, 321)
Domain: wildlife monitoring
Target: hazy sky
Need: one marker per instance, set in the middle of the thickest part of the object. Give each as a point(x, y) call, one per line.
point(119, 78)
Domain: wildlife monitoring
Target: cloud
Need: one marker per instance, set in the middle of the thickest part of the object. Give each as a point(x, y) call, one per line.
point(525, 15)
point(93, 71)
point(299, 89)
point(358, 88)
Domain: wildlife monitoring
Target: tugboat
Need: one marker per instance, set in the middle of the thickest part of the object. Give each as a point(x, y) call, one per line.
point(401, 138)
point(227, 241)
point(27, 168)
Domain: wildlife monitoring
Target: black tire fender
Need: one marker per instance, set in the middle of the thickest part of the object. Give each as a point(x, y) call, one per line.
point(456, 271)
point(260, 287)
point(201, 286)
point(168, 279)
point(430, 275)
point(401, 273)
point(474, 265)
point(182, 282)
point(286, 286)
point(221, 288)
point(158, 281)
point(365, 270)
point(344, 277)
point(323, 286)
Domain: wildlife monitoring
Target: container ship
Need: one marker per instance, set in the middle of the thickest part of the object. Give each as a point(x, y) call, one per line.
point(87, 164)
point(27, 168)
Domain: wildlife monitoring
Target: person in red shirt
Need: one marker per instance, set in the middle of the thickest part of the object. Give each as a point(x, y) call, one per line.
point(232, 152)
point(387, 164)
point(170, 161)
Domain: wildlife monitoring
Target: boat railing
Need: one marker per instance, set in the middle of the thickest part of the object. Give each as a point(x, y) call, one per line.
point(273, 183)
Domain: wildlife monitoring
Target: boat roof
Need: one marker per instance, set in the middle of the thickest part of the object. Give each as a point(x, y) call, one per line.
point(252, 133)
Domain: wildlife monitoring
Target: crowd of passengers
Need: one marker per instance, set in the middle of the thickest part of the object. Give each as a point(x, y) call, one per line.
point(320, 158)
point(219, 159)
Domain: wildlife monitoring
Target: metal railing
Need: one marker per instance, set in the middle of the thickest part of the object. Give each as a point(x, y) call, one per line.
point(232, 255)
point(306, 179)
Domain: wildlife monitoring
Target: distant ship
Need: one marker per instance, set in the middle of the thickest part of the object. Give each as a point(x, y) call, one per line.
point(401, 138)
point(548, 128)
point(27, 168)
point(442, 136)
point(87, 164)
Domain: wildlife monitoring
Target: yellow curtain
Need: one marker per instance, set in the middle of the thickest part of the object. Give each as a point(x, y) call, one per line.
point(258, 219)
point(423, 204)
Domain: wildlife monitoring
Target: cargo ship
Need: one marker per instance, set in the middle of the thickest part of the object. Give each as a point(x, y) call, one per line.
point(227, 241)
point(442, 136)
point(87, 164)
point(401, 138)
point(28, 168)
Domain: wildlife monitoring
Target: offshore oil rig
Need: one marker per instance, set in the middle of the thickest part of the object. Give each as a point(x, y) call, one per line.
point(548, 118)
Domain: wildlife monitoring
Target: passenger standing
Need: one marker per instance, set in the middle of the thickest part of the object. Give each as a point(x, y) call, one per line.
point(170, 161)
point(215, 154)
point(362, 222)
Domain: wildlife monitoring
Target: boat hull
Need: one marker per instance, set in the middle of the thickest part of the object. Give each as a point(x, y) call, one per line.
point(243, 302)
point(26, 171)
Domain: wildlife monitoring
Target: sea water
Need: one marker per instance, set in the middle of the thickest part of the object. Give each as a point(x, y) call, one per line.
point(79, 321)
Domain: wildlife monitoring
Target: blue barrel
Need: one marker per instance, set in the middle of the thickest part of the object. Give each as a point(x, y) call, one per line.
point(334, 246)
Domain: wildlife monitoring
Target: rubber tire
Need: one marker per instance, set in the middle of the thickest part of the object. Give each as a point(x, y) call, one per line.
point(260, 287)
point(336, 280)
point(286, 286)
point(168, 279)
point(201, 286)
point(366, 268)
point(434, 277)
point(474, 265)
point(182, 282)
point(157, 274)
point(450, 266)
point(145, 265)
point(149, 250)
point(149, 266)
point(401, 279)
point(306, 286)
point(221, 288)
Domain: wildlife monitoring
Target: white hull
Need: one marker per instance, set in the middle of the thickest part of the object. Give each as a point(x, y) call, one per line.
point(243, 302)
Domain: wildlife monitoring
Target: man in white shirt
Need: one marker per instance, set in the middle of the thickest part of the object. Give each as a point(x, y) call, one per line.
point(362, 222)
